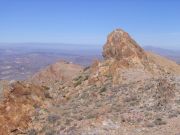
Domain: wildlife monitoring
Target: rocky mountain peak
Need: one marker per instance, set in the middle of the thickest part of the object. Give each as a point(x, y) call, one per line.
point(126, 61)
point(120, 46)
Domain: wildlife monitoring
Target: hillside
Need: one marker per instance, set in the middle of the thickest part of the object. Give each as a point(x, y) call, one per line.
point(60, 71)
point(129, 92)
point(172, 54)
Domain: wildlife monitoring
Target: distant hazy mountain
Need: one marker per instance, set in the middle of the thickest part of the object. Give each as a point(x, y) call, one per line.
point(171, 54)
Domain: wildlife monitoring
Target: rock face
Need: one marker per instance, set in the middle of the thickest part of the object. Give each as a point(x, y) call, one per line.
point(20, 100)
point(120, 46)
point(125, 60)
point(121, 53)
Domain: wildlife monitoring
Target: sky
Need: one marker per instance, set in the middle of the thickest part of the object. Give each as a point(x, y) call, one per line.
point(149, 22)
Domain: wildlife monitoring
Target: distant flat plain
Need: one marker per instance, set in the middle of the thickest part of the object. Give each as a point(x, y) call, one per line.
point(20, 61)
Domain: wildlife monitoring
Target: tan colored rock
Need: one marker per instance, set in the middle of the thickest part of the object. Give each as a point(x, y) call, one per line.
point(126, 61)
point(121, 46)
point(121, 53)
point(18, 105)
point(61, 71)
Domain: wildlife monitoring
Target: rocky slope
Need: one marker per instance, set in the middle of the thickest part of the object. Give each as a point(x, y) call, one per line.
point(129, 92)
point(168, 65)
point(60, 71)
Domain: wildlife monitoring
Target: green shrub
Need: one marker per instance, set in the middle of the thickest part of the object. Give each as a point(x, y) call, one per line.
point(77, 83)
point(159, 121)
point(103, 89)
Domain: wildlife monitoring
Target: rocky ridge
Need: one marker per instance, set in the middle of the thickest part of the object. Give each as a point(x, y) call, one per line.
point(60, 71)
point(130, 92)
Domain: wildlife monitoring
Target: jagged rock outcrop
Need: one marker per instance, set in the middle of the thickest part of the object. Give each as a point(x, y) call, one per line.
point(125, 60)
point(121, 46)
point(121, 53)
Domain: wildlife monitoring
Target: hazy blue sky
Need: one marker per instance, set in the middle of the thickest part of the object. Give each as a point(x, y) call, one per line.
point(150, 22)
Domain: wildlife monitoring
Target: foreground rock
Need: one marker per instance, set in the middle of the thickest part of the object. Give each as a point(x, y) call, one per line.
point(20, 100)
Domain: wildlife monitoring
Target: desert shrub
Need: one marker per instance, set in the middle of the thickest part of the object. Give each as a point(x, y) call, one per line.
point(177, 101)
point(32, 132)
point(84, 95)
point(86, 68)
point(68, 121)
point(103, 89)
point(78, 117)
point(173, 114)
point(45, 87)
point(77, 78)
point(78, 82)
point(67, 98)
point(47, 95)
point(130, 99)
point(50, 132)
point(53, 118)
point(90, 116)
point(85, 77)
point(150, 125)
point(159, 121)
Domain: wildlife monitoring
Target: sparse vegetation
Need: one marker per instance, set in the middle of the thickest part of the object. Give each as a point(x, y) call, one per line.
point(32, 132)
point(159, 121)
point(53, 118)
point(103, 89)
point(78, 82)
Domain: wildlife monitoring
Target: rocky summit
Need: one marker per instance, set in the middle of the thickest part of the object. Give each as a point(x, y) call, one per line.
point(125, 60)
point(130, 92)
point(121, 46)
